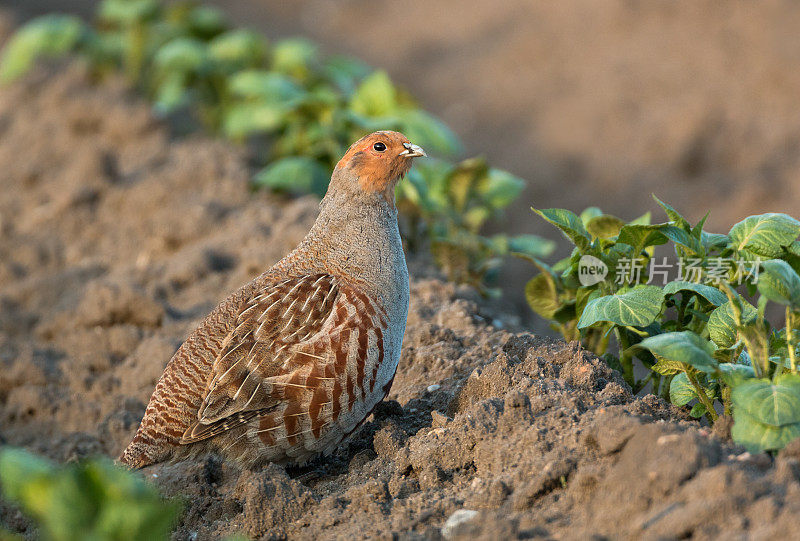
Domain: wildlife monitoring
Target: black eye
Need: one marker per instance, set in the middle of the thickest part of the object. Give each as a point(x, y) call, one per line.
point(379, 147)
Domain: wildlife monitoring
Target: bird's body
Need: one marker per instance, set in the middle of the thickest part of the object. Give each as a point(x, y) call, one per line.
point(290, 364)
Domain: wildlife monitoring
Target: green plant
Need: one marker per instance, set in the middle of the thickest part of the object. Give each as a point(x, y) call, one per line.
point(701, 340)
point(303, 108)
point(89, 500)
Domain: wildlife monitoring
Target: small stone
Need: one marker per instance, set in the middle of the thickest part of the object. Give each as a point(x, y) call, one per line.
point(433, 388)
point(460, 517)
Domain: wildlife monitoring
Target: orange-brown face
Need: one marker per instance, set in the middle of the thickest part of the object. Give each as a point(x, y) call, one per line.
point(379, 159)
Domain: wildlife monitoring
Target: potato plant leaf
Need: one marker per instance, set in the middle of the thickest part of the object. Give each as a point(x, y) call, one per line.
point(127, 12)
point(765, 234)
point(428, 131)
point(46, 36)
point(264, 86)
point(709, 293)
point(182, 55)
point(501, 190)
point(685, 347)
point(542, 295)
point(773, 403)
point(604, 226)
point(237, 49)
point(294, 175)
point(375, 96)
point(681, 391)
point(638, 307)
point(722, 324)
point(756, 437)
point(294, 57)
point(589, 213)
point(247, 118)
point(570, 225)
point(531, 245)
point(87, 500)
point(778, 282)
point(666, 367)
point(641, 236)
point(734, 374)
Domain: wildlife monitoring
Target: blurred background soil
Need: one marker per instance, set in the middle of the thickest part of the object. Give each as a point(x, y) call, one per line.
point(593, 103)
point(116, 239)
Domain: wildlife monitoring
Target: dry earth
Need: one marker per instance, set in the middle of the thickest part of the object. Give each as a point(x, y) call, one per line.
point(117, 238)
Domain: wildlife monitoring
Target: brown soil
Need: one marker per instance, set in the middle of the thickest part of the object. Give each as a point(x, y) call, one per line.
point(117, 239)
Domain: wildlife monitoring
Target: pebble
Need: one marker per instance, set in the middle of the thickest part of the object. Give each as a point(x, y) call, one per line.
point(456, 519)
point(433, 388)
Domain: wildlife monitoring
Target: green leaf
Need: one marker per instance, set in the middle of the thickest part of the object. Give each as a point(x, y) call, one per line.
point(685, 347)
point(711, 294)
point(698, 410)
point(589, 213)
point(532, 245)
point(774, 404)
point(722, 325)
point(264, 86)
point(735, 374)
point(428, 132)
point(375, 96)
point(569, 224)
point(237, 49)
point(638, 307)
point(346, 72)
point(46, 36)
point(683, 238)
point(182, 55)
point(88, 500)
point(765, 234)
point(665, 367)
point(640, 237)
point(294, 57)
point(170, 94)
point(757, 437)
point(295, 175)
point(644, 219)
point(542, 295)
point(249, 118)
point(713, 241)
point(674, 215)
point(681, 391)
point(127, 12)
point(501, 189)
point(604, 226)
point(463, 182)
point(778, 282)
point(18, 468)
point(206, 21)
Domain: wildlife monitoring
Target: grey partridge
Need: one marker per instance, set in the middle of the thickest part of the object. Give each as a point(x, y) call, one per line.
point(294, 361)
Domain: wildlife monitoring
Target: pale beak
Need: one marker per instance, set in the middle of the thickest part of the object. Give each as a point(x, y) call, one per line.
point(413, 151)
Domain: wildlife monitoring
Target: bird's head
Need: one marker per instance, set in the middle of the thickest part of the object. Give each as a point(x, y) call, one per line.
point(374, 164)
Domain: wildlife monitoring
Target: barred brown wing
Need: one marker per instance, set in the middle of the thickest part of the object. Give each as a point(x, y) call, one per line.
point(268, 328)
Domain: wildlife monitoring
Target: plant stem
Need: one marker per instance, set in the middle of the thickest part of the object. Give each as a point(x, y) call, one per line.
point(702, 396)
point(134, 60)
point(681, 312)
point(790, 339)
point(726, 400)
point(625, 358)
